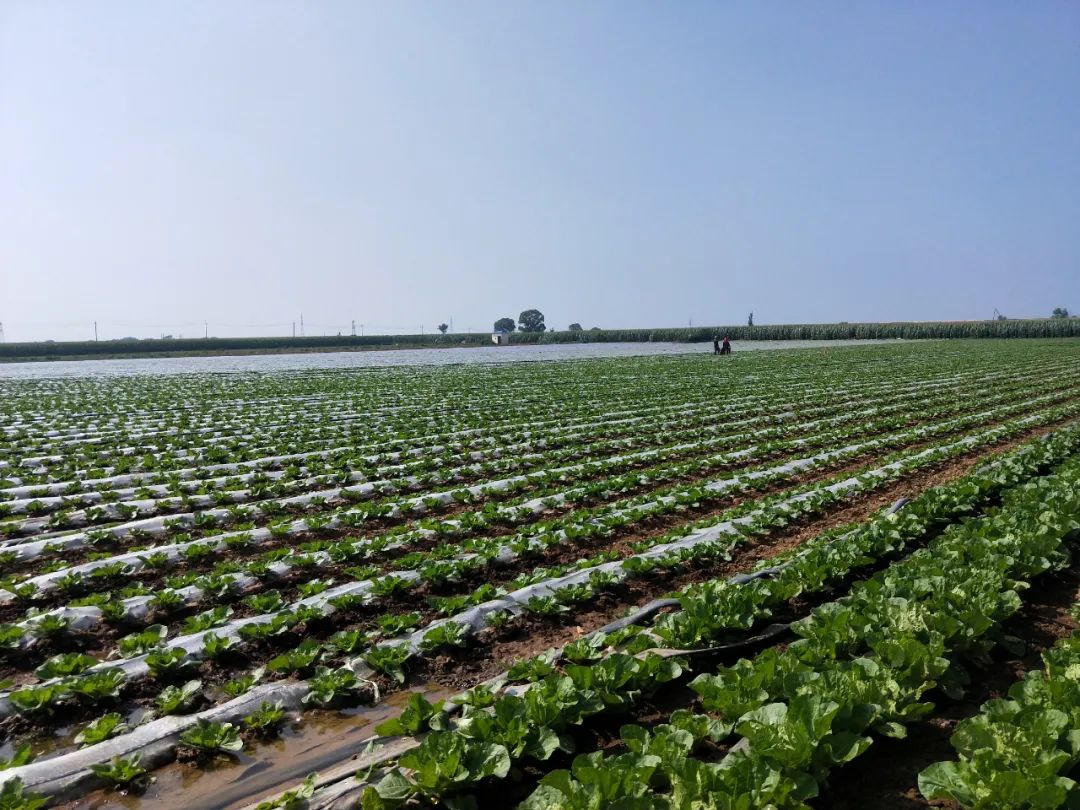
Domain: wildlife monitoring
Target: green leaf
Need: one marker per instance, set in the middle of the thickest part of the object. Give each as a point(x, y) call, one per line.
point(14, 797)
point(945, 780)
point(21, 756)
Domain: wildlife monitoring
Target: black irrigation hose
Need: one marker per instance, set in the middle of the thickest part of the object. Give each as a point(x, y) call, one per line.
point(652, 608)
point(763, 639)
point(639, 616)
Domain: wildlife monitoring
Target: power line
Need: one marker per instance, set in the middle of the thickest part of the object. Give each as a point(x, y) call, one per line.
point(110, 328)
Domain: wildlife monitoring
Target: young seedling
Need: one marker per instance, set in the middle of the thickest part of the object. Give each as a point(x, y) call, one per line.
point(168, 664)
point(217, 647)
point(330, 686)
point(122, 772)
point(239, 686)
point(210, 737)
point(65, 665)
point(102, 729)
point(179, 699)
point(389, 660)
point(97, 686)
point(143, 641)
point(266, 720)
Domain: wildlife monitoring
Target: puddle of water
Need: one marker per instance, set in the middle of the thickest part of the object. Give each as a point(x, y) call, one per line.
point(60, 742)
point(323, 740)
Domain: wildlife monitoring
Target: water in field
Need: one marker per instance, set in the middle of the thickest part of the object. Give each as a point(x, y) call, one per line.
point(392, 357)
point(265, 768)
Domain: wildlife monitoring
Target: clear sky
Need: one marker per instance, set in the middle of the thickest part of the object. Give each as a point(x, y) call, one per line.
point(620, 164)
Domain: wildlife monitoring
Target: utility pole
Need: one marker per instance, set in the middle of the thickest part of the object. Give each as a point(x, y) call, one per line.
point(354, 328)
point(451, 324)
point(95, 331)
point(361, 330)
point(1, 331)
point(301, 324)
point(206, 330)
point(294, 328)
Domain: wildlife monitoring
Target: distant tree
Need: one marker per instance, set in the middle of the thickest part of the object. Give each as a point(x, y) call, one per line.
point(531, 320)
point(576, 327)
point(596, 329)
point(505, 325)
point(750, 320)
point(443, 327)
point(1059, 312)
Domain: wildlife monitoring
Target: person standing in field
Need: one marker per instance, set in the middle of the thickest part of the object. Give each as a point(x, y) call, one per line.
point(716, 344)
point(726, 349)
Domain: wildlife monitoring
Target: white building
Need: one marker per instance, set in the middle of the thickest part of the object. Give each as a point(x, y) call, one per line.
point(500, 338)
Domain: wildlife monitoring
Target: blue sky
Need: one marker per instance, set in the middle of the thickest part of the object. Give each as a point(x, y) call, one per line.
point(614, 163)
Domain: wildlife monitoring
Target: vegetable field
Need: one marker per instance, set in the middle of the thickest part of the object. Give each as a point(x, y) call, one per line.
point(828, 578)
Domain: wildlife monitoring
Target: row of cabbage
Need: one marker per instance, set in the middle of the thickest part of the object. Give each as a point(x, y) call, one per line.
point(152, 651)
point(767, 731)
point(143, 423)
point(1020, 749)
point(430, 465)
point(145, 434)
point(272, 713)
point(150, 633)
point(545, 490)
point(51, 511)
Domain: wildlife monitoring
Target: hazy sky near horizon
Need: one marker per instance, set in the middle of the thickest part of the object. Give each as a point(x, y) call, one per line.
point(620, 164)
